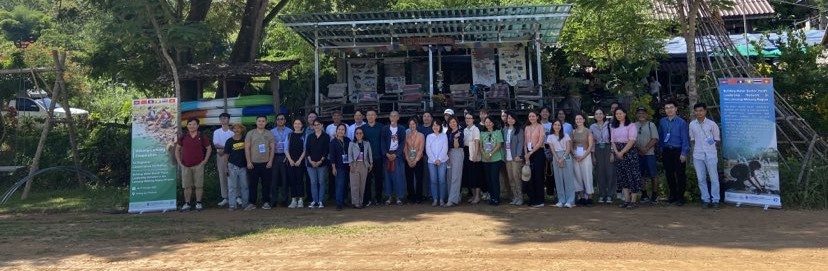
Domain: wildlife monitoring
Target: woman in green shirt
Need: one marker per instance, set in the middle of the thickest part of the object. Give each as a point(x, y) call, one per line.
point(491, 141)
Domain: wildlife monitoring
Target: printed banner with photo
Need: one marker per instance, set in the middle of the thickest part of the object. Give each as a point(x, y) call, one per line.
point(749, 145)
point(483, 66)
point(362, 76)
point(153, 174)
point(512, 63)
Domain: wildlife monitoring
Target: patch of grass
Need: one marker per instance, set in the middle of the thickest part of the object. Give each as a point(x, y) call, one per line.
point(70, 200)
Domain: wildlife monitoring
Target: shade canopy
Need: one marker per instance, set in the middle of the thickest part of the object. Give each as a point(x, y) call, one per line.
point(401, 29)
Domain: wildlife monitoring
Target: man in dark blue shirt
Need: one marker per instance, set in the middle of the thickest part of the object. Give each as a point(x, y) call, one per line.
point(674, 144)
point(426, 130)
point(373, 130)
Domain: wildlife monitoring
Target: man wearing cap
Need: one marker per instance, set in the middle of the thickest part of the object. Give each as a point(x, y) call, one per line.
point(220, 136)
point(646, 142)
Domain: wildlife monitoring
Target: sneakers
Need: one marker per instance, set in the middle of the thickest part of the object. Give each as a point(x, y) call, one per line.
point(312, 205)
point(450, 204)
point(399, 203)
point(319, 205)
point(198, 206)
point(434, 204)
point(239, 202)
point(559, 205)
point(222, 203)
point(519, 202)
point(645, 199)
point(266, 206)
point(486, 196)
point(442, 203)
point(569, 205)
point(300, 204)
point(538, 205)
point(601, 200)
point(185, 207)
point(250, 207)
point(292, 204)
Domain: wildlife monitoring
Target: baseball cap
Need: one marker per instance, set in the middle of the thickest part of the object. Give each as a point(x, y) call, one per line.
point(641, 109)
point(448, 111)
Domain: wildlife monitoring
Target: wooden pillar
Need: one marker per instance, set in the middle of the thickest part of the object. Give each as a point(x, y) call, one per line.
point(274, 87)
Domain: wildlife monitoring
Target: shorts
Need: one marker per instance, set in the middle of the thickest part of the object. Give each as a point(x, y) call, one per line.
point(647, 166)
point(192, 176)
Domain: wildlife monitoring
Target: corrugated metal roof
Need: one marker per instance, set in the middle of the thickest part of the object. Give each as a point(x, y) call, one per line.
point(750, 8)
point(470, 25)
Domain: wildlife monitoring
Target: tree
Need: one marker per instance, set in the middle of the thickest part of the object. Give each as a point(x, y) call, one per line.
point(23, 24)
point(619, 37)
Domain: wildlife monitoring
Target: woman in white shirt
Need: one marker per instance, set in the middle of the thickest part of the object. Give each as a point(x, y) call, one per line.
point(437, 151)
point(561, 146)
point(472, 167)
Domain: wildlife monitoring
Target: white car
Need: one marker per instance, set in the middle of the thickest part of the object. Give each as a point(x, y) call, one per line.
point(39, 108)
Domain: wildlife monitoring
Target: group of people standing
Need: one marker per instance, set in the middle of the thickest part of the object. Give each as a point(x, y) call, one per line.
point(434, 159)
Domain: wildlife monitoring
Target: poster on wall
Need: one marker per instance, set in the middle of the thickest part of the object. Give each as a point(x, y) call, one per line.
point(749, 149)
point(419, 73)
point(483, 66)
point(362, 76)
point(512, 64)
point(394, 67)
point(153, 177)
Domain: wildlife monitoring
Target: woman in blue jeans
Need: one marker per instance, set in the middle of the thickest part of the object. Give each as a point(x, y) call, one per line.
point(317, 163)
point(437, 150)
point(340, 161)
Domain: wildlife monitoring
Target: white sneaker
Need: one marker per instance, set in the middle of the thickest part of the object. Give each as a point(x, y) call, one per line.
point(434, 204)
point(320, 206)
point(250, 207)
point(312, 205)
point(266, 206)
point(568, 205)
point(513, 202)
point(538, 206)
point(222, 203)
point(300, 204)
point(185, 207)
point(442, 203)
point(600, 199)
point(239, 201)
point(519, 202)
point(486, 196)
point(292, 204)
point(198, 206)
point(559, 205)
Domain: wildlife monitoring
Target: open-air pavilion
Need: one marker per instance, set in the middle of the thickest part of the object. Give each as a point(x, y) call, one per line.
point(499, 49)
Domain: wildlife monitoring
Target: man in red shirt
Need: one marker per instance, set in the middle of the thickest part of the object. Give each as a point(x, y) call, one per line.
point(192, 152)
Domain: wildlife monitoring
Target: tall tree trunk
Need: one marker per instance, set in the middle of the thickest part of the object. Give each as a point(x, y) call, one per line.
point(191, 89)
point(688, 11)
point(173, 67)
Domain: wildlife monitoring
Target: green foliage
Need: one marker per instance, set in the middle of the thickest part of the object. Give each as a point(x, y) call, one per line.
point(811, 193)
point(619, 37)
point(22, 23)
point(799, 79)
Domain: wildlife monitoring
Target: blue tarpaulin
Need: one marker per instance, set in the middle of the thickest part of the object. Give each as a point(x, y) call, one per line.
point(677, 48)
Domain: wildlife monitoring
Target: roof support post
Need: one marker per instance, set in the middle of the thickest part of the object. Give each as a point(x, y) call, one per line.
point(430, 78)
point(316, 70)
point(540, 71)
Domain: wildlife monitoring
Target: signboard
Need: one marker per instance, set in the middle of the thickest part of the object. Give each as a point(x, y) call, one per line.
point(749, 149)
point(153, 175)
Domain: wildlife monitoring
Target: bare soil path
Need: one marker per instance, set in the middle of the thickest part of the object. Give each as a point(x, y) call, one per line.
point(420, 237)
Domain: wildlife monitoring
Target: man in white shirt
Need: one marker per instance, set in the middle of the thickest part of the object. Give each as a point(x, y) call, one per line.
point(331, 128)
point(704, 135)
point(358, 122)
point(220, 137)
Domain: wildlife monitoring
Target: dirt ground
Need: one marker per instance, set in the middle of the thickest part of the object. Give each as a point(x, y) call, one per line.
point(422, 238)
